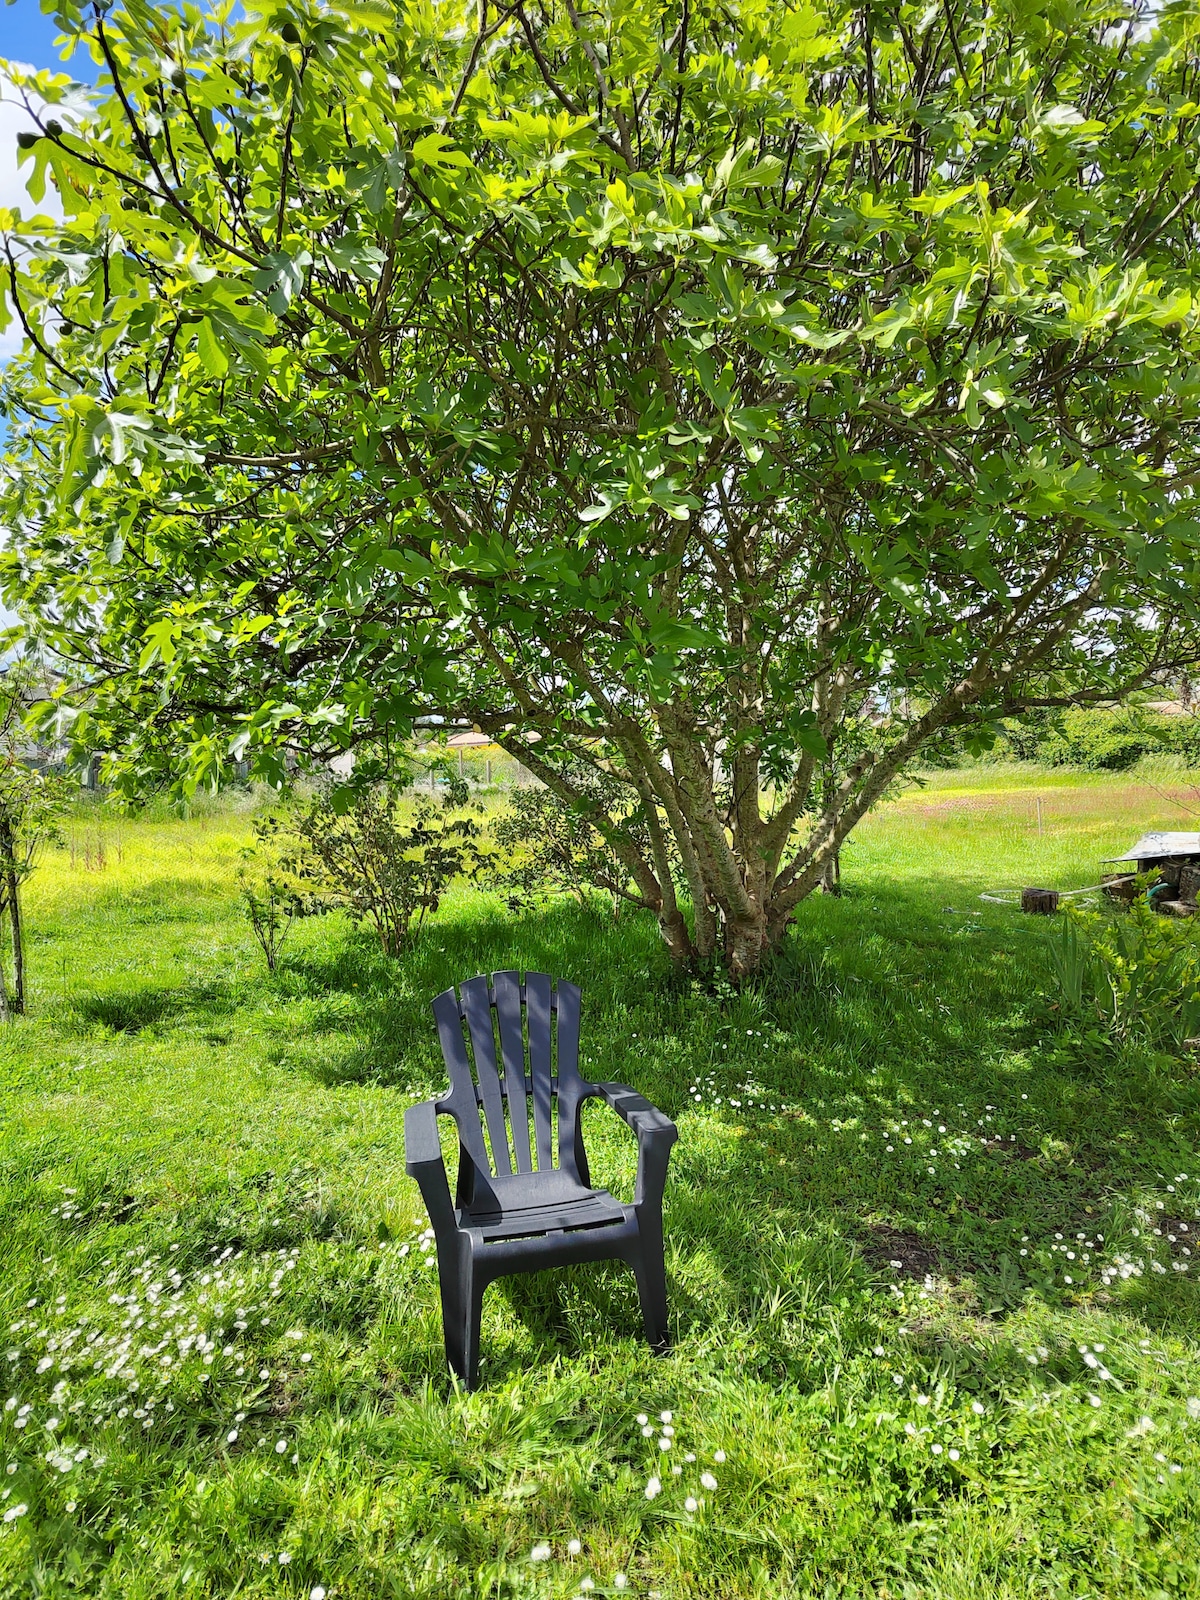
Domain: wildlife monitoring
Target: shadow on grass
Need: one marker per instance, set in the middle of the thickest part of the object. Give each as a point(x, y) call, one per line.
point(136, 1010)
point(880, 1010)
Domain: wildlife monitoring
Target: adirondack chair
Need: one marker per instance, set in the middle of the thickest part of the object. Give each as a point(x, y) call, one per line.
point(515, 1210)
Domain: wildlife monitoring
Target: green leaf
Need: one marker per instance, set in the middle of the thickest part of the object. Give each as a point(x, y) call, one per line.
point(436, 151)
point(208, 348)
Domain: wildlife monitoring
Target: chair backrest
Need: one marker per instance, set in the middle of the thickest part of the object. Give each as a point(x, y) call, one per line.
point(540, 1064)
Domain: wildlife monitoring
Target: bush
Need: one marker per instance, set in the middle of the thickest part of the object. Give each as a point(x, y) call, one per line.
point(384, 869)
point(271, 900)
point(553, 848)
point(1102, 740)
point(1136, 974)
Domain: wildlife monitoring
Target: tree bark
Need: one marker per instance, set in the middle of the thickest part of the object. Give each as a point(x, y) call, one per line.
point(13, 1002)
point(14, 912)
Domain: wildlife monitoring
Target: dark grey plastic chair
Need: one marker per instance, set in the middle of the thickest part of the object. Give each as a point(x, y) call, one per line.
point(510, 1215)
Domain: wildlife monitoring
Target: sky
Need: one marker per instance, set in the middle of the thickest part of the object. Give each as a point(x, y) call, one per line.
point(26, 36)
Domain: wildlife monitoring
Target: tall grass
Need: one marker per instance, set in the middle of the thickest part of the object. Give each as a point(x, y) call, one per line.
point(933, 1297)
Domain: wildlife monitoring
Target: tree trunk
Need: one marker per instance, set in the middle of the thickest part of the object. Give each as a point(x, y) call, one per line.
point(5, 1008)
point(14, 912)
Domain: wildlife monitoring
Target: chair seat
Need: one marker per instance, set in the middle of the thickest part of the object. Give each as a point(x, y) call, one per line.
point(525, 1210)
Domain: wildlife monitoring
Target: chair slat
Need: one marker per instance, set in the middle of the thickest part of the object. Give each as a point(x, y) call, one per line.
point(461, 1099)
point(478, 1011)
point(537, 1012)
point(507, 986)
point(571, 1158)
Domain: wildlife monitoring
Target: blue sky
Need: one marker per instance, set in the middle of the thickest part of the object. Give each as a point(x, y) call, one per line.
point(27, 34)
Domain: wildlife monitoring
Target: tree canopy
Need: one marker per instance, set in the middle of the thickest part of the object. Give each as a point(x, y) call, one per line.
point(732, 396)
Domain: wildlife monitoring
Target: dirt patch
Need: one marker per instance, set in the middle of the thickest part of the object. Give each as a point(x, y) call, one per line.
point(1181, 1236)
point(1010, 1147)
point(902, 1255)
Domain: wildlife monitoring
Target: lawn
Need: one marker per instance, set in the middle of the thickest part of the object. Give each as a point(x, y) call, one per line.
point(935, 1311)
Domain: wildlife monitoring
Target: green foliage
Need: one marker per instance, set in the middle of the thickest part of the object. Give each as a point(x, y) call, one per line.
point(1104, 740)
point(269, 894)
point(679, 383)
point(385, 860)
point(1137, 973)
point(553, 846)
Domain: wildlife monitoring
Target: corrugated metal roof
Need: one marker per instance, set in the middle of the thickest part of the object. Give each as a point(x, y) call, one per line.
point(1153, 846)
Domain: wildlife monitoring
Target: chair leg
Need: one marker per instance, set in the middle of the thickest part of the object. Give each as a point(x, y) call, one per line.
point(651, 1274)
point(462, 1307)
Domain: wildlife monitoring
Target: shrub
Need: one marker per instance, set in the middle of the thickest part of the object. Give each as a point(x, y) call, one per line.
point(554, 847)
point(1102, 739)
point(384, 869)
point(270, 897)
point(1136, 974)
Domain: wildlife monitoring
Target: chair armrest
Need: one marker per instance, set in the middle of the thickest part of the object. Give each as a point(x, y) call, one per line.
point(423, 1161)
point(637, 1111)
point(656, 1134)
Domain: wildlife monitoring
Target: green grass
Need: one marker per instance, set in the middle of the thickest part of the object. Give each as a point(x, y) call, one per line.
point(197, 1160)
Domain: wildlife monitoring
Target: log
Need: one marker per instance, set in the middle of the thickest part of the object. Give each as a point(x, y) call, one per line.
point(1189, 884)
point(1039, 902)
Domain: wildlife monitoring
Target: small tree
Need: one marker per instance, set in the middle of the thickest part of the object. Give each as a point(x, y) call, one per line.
point(31, 802)
point(271, 900)
point(384, 869)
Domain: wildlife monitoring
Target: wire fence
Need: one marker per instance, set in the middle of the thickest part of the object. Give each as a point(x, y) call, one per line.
point(481, 769)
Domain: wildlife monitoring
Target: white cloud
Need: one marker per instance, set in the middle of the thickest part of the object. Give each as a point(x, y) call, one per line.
point(15, 119)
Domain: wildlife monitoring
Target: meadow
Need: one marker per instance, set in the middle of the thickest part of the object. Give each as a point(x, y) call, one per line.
point(931, 1261)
